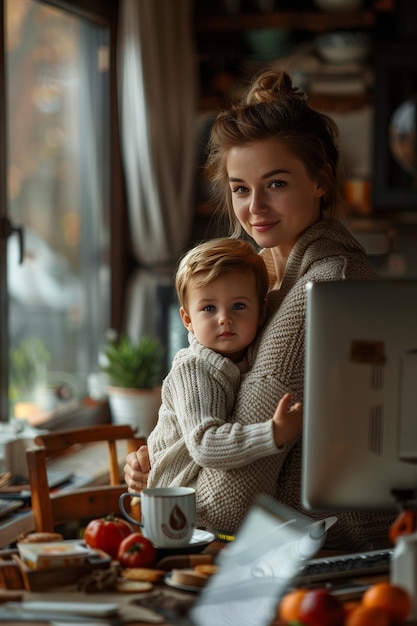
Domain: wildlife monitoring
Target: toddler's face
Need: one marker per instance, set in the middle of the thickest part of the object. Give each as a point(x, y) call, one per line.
point(225, 314)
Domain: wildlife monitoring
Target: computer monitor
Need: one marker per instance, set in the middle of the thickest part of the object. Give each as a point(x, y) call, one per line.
point(360, 400)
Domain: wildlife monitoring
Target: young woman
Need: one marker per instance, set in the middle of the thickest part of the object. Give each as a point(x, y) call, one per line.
point(274, 165)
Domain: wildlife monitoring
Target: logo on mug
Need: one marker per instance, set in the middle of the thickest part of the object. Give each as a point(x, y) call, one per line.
point(177, 527)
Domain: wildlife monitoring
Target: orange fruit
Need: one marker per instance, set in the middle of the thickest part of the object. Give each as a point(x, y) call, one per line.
point(288, 609)
point(367, 616)
point(350, 606)
point(393, 599)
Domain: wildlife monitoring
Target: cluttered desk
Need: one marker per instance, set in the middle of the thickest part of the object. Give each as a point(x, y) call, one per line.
point(206, 583)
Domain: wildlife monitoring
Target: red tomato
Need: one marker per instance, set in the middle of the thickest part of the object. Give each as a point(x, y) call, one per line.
point(320, 608)
point(106, 533)
point(136, 551)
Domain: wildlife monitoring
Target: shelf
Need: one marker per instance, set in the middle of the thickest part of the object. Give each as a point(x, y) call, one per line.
point(339, 104)
point(295, 20)
point(233, 26)
point(321, 102)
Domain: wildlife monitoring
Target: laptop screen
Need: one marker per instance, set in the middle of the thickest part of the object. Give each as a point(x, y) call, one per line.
point(258, 567)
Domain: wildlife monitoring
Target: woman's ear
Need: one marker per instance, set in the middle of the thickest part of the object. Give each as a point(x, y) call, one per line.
point(320, 191)
point(186, 319)
point(262, 313)
point(321, 186)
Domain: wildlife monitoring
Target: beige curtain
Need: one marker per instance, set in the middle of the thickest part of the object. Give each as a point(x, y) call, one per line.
point(157, 93)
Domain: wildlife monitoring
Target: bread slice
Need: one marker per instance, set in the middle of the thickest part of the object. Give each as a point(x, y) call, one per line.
point(208, 569)
point(40, 537)
point(188, 578)
point(132, 586)
point(143, 573)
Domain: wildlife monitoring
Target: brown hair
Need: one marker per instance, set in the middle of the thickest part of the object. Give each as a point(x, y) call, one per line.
point(273, 107)
point(216, 257)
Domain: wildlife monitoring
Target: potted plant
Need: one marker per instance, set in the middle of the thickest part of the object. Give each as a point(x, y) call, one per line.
point(29, 362)
point(134, 371)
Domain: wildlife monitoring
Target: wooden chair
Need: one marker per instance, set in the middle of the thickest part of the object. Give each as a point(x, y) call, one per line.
point(51, 509)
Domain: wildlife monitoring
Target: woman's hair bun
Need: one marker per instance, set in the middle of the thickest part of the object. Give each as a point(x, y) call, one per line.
point(272, 86)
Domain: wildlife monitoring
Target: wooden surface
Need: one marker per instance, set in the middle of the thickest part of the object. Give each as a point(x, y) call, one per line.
point(130, 613)
point(134, 608)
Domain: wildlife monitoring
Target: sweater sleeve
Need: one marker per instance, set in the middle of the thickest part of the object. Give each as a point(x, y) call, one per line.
point(202, 395)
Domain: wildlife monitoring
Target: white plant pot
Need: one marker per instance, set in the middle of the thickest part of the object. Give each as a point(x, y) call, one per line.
point(136, 407)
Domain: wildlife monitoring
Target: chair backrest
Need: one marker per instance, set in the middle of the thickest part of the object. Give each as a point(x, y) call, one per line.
point(53, 508)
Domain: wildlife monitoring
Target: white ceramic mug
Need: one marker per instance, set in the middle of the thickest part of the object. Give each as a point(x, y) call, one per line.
point(167, 515)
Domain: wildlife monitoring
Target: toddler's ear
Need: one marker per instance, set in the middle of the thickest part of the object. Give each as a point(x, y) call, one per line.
point(186, 319)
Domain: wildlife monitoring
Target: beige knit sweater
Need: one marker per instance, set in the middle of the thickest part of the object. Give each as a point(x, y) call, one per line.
point(325, 251)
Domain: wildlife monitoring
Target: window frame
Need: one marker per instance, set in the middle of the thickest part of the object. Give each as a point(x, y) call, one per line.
point(104, 13)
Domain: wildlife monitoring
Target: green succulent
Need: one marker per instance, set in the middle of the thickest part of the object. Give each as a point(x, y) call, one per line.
point(134, 365)
point(28, 365)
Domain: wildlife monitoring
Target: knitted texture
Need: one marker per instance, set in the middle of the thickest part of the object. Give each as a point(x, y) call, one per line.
point(197, 397)
point(326, 251)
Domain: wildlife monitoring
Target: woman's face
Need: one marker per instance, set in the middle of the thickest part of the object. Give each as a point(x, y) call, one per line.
point(273, 197)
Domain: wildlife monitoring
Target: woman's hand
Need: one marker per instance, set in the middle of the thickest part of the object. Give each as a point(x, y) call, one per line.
point(287, 421)
point(137, 469)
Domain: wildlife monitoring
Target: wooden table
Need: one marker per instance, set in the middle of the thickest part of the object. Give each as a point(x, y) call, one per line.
point(130, 614)
point(133, 608)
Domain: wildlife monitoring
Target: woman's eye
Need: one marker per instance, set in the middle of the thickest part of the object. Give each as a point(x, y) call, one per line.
point(239, 189)
point(278, 183)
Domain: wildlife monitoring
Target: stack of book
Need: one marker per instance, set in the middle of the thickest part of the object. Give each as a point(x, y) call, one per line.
point(346, 79)
point(319, 77)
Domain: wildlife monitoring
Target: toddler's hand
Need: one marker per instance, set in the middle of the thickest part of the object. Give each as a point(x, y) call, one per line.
point(287, 420)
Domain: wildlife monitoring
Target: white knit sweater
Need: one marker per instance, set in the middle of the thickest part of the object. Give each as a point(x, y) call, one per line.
point(197, 397)
point(326, 251)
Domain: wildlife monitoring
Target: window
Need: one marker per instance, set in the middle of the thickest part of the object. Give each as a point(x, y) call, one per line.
point(57, 101)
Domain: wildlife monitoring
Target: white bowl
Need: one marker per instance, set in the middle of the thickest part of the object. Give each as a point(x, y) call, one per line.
point(338, 5)
point(267, 43)
point(343, 46)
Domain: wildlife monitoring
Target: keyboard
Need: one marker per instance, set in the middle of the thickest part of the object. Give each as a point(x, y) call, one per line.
point(346, 566)
point(8, 506)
